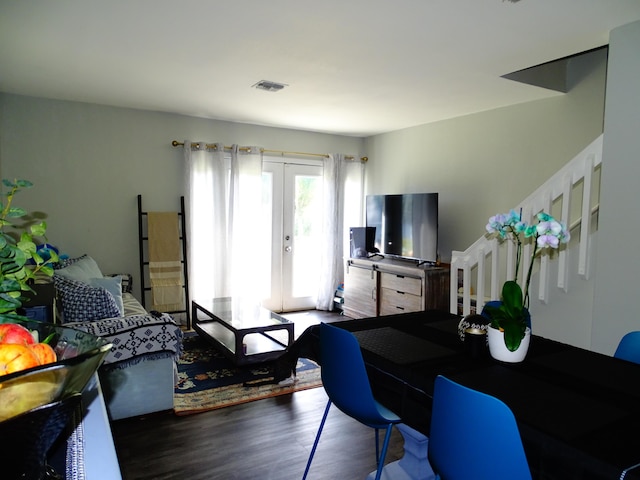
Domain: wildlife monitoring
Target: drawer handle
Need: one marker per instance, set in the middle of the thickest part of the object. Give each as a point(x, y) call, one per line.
point(400, 308)
point(399, 276)
point(398, 291)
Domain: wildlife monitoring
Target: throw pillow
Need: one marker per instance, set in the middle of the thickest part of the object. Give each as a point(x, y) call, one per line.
point(114, 286)
point(82, 302)
point(81, 269)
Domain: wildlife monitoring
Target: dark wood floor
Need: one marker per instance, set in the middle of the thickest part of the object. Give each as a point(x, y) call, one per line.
point(268, 440)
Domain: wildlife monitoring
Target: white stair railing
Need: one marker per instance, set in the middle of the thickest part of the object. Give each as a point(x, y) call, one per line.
point(481, 263)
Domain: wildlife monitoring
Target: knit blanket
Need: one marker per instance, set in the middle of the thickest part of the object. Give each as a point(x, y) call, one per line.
point(136, 338)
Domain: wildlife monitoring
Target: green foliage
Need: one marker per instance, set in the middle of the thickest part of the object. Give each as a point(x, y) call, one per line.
point(19, 259)
point(510, 316)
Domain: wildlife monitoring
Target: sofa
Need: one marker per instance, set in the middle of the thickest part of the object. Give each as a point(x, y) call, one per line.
point(139, 372)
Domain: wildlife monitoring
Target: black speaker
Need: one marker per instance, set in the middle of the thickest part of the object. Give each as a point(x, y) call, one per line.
point(361, 241)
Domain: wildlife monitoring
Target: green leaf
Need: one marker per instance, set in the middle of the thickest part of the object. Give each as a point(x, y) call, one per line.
point(9, 303)
point(24, 183)
point(12, 259)
point(39, 230)
point(9, 285)
point(12, 317)
point(513, 333)
point(49, 338)
point(47, 270)
point(26, 244)
point(512, 299)
point(54, 258)
point(16, 212)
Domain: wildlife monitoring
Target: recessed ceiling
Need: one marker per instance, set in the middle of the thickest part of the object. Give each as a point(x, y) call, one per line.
point(359, 67)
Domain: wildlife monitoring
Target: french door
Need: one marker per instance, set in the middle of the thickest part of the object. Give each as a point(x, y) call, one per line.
point(292, 214)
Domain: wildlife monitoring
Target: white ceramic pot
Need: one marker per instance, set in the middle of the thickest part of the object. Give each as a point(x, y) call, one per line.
point(499, 350)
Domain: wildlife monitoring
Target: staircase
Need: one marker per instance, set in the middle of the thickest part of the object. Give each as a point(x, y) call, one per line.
point(571, 195)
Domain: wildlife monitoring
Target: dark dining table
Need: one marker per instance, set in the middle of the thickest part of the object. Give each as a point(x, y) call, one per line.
point(578, 411)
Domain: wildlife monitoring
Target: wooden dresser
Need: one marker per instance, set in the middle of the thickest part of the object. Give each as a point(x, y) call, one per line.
point(376, 287)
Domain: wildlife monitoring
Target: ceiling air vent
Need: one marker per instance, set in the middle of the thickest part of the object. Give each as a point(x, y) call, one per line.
point(269, 86)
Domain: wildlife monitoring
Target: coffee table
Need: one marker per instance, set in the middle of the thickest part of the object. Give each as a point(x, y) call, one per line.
point(245, 333)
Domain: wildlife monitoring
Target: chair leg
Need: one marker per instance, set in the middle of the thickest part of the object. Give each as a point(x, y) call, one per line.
point(315, 443)
point(377, 447)
point(383, 454)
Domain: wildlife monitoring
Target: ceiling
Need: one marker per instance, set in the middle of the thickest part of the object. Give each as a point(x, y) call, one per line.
point(356, 67)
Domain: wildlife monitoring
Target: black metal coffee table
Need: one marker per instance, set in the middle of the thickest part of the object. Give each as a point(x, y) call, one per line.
point(244, 333)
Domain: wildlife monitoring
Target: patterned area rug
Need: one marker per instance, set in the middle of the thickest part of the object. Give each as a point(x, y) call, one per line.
point(208, 380)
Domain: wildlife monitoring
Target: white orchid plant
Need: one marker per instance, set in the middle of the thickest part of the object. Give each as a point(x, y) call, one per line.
point(512, 313)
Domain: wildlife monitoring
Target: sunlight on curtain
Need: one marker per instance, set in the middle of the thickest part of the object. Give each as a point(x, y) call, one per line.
point(353, 201)
point(343, 191)
point(227, 228)
point(207, 220)
point(247, 244)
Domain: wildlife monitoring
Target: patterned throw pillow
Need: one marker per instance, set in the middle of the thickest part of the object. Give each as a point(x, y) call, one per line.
point(82, 302)
point(65, 262)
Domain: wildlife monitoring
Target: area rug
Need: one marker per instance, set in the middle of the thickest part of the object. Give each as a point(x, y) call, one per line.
point(207, 380)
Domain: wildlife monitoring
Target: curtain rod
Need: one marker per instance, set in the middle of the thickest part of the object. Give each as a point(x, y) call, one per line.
point(176, 143)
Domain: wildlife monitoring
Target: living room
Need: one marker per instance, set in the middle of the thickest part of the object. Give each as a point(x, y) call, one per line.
point(89, 162)
point(102, 157)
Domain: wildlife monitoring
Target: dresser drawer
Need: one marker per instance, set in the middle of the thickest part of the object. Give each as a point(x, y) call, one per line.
point(401, 283)
point(392, 302)
point(360, 292)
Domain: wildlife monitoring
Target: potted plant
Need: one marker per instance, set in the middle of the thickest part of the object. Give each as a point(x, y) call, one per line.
point(511, 314)
point(20, 260)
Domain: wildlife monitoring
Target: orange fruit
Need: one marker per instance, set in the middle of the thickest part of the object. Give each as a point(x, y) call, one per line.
point(44, 352)
point(15, 357)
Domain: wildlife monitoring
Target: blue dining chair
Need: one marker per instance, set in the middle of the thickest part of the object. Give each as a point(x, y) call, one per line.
point(473, 436)
point(344, 377)
point(629, 347)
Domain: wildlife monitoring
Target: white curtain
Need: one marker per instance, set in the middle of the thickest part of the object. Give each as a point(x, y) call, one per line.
point(342, 196)
point(246, 209)
point(223, 197)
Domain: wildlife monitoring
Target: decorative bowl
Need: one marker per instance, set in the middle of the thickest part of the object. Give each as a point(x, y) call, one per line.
point(79, 356)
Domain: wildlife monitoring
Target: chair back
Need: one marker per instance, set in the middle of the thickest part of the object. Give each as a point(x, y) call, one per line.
point(344, 376)
point(629, 347)
point(474, 435)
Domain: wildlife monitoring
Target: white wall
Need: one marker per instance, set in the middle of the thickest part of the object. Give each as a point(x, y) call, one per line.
point(615, 307)
point(89, 163)
point(486, 163)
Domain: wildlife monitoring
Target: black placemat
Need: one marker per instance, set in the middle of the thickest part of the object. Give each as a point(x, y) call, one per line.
point(399, 347)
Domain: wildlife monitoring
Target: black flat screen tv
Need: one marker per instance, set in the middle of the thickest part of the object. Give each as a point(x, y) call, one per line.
point(406, 225)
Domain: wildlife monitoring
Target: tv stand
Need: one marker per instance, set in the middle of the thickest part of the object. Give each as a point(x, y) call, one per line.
point(388, 286)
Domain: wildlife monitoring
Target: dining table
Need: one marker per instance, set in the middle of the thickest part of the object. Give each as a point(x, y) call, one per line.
point(578, 411)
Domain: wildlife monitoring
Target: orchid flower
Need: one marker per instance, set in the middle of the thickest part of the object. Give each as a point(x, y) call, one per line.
point(548, 232)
